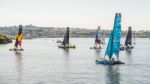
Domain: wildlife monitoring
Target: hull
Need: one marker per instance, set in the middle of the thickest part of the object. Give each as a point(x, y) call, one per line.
point(15, 49)
point(105, 62)
point(131, 47)
point(123, 48)
point(70, 46)
point(95, 47)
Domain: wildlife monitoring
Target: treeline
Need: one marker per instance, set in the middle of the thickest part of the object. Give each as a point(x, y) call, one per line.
point(50, 32)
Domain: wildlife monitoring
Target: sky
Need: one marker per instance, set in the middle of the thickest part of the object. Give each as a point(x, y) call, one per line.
point(75, 13)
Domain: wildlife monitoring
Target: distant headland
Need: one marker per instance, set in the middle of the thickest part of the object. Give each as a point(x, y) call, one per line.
point(54, 32)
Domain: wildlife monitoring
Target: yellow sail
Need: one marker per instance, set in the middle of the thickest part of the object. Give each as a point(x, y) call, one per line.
point(19, 37)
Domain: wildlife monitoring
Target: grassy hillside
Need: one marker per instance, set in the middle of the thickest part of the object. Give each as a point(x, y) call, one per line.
point(5, 39)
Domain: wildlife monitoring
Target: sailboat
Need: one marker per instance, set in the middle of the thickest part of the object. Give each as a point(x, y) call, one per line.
point(18, 40)
point(97, 40)
point(65, 43)
point(128, 41)
point(113, 46)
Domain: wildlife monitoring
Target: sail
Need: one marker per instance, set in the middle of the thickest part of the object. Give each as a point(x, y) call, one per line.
point(66, 37)
point(19, 37)
point(109, 52)
point(117, 34)
point(129, 37)
point(98, 36)
point(113, 46)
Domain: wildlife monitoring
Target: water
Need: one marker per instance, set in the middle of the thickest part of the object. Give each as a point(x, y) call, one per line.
point(43, 63)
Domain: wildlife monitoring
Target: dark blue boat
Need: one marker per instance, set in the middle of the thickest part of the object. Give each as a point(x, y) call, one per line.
point(65, 44)
point(128, 42)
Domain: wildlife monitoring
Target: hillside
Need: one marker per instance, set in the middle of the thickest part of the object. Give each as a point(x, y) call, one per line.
point(50, 32)
point(4, 39)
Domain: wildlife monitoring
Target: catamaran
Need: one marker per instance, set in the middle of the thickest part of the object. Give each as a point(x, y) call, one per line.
point(97, 40)
point(128, 41)
point(65, 43)
point(18, 40)
point(113, 46)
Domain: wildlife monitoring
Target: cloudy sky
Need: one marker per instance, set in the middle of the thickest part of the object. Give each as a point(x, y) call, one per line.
point(75, 13)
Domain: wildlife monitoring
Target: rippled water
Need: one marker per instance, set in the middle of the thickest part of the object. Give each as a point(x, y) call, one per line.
point(43, 63)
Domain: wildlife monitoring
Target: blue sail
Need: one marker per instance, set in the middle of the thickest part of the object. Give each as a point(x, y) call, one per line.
point(117, 34)
point(113, 46)
point(109, 46)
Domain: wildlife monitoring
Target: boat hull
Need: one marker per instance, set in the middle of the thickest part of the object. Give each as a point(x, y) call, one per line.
point(15, 49)
point(123, 48)
point(95, 47)
point(131, 47)
point(70, 46)
point(105, 62)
